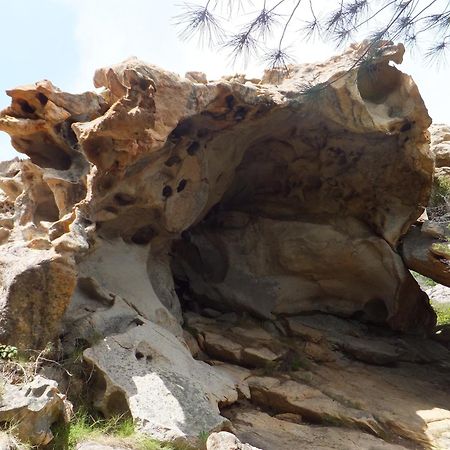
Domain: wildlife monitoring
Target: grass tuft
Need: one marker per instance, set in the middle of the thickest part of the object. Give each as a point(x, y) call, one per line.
point(442, 312)
point(118, 430)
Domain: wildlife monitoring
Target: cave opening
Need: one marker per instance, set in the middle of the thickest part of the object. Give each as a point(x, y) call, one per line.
point(305, 222)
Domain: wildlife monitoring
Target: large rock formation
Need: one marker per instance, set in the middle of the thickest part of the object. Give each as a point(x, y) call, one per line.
point(268, 198)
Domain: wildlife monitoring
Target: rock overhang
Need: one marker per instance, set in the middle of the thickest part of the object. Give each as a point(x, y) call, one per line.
point(155, 156)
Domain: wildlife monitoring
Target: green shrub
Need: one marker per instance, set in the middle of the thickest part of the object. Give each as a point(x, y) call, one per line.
point(8, 352)
point(442, 312)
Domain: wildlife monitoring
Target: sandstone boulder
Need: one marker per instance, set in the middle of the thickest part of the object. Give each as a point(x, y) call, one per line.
point(32, 408)
point(148, 373)
point(155, 156)
point(233, 198)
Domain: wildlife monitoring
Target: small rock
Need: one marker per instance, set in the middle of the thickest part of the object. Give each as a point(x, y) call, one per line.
point(226, 441)
point(8, 442)
point(33, 408)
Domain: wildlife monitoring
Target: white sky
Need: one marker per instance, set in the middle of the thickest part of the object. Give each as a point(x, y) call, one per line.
point(66, 40)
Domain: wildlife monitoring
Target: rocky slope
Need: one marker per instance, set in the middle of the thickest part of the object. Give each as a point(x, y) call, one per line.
point(231, 255)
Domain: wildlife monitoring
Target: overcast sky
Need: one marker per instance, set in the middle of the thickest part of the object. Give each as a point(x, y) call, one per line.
point(66, 40)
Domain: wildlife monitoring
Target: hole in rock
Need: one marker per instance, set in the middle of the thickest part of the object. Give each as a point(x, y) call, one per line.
point(37, 392)
point(193, 148)
point(377, 82)
point(43, 151)
point(139, 355)
point(229, 100)
point(144, 83)
point(375, 311)
point(117, 405)
point(240, 113)
point(182, 129)
point(295, 224)
point(167, 191)
point(172, 161)
point(181, 185)
point(406, 127)
point(144, 235)
point(46, 209)
point(26, 107)
point(43, 99)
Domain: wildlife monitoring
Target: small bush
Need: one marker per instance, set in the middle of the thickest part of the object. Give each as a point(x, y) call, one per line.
point(8, 352)
point(423, 280)
point(442, 312)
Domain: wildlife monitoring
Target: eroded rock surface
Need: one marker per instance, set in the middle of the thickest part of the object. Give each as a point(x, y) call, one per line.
point(32, 408)
point(143, 369)
point(234, 198)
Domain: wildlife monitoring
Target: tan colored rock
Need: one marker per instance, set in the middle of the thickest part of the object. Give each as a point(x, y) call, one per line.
point(256, 200)
point(268, 433)
point(248, 345)
point(428, 253)
point(414, 403)
point(440, 144)
point(155, 154)
point(271, 267)
point(37, 286)
point(289, 396)
point(226, 441)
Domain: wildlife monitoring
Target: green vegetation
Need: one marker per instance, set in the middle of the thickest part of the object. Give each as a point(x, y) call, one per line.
point(441, 191)
point(423, 280)
point(117, 430)
point(8, 352)
point(442, 312)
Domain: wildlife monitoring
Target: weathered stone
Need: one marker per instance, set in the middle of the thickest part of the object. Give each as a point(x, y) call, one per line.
point(427, 254)
point(289, 396)
point(8, 442)
point(440, 144)
point(156, 155)
point(414, 403)
point(256, 200)
point(271, 267)
point(32, 408)
point(226, 441)
point(269, 433)
point(37, 286)
point(149, 374)
point(248, 345)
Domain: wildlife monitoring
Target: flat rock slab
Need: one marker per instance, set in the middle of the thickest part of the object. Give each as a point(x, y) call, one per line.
point(268, 433)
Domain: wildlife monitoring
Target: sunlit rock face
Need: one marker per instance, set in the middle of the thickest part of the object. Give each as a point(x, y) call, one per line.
point(257, 196)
